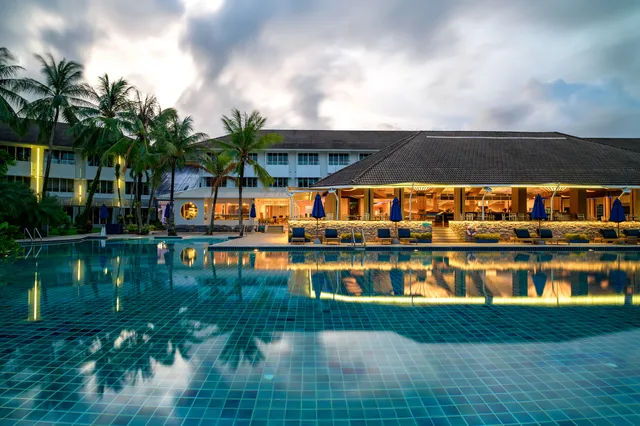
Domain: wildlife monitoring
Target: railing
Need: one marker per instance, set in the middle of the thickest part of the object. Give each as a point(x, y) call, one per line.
point(353, 238)
point(36, 232)
point(27, 233)
point(364, 239)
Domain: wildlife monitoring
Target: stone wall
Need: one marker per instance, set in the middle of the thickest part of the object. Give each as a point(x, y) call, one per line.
point(370, 227)
point(559, 229)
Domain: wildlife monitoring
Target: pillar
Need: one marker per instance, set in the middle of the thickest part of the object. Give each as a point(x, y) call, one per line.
point(578, 201)
point(460, 282)
point(368, 203)
point(634, 199)
point(518, 200)
point(330, 205)
point(458, 203)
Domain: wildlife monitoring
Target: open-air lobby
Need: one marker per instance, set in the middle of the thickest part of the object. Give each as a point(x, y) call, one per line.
point(482, 180)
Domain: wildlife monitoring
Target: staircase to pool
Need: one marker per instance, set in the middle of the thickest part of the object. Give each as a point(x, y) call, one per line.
point(444, 236)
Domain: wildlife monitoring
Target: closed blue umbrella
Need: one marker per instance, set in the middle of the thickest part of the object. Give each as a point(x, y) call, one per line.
point(167, 212)
point(104, 213)
point(617, 213)
point(538, 213)
point(396, 213)
point(252, 213)
point(539, 282)
point(318, 213)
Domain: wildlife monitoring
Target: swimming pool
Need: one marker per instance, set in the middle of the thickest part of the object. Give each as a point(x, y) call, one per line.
point(171, 332)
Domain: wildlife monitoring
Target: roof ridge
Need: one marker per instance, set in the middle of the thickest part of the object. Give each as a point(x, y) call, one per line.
point(571, 137)
point(392, 148)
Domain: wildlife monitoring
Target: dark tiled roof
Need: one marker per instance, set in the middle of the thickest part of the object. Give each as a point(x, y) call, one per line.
point(366, 140)
point(62, 137)
point(632, 144)
point(492, 158)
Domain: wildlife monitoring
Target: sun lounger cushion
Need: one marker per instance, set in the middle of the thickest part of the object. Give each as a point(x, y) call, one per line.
point(609, 233)
point(384, 233)
point(404, 233)
point(297, 233)
point(331, 233)
point(522, 233)
point(631, 232)
point(546, 233)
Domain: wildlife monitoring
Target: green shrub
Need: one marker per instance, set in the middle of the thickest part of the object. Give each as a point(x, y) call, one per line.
point(421, 235)
point(572, 236)
point(347, 235)
point(144, 230)
point(9, 248)
point(132, 229)
point(488, 237)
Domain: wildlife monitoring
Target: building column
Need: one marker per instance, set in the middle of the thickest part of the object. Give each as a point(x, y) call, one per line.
point(458, 204)
point(634, 199)
point(578, 201)
point(330, 205)
point(460, 282)
point(518, 200)
point(368, 203)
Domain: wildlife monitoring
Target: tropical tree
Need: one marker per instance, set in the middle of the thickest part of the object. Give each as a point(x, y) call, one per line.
point(139, 122)
point(101, 126)
point(178, 143)
point(10, 87)
point(244, 137)
point(58, 98)
point(155, 177)
point(220, 165)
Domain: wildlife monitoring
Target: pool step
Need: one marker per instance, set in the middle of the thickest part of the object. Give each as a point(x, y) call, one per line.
point(444, 235)
point(275, 229)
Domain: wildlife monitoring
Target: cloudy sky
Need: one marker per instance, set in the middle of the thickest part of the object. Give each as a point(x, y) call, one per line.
point(566, 65)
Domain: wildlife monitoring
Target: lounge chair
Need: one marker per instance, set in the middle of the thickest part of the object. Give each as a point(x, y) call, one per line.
point(523, 236)
point(631, 236)
point(609, 235)
point(331, 236)
point(297, 236)
point(404, 236)
point(384, 236)
point(547, 235)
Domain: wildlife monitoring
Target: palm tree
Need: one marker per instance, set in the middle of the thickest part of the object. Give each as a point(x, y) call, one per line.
point(10, 87)
point(59, 97)
point(138, 124)
point(178, 143)
point(102, 125)
point(243, 138)
point(219, 164)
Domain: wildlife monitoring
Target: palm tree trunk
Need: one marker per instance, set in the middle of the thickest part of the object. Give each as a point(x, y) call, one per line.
point(152, 195)
point(213, 210)
point(47, 169)
point(88, 210)
point(139, 201)
point(240, 182)
point(172, 219)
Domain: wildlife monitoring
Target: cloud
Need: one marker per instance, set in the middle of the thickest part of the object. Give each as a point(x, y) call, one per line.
point(568, 65)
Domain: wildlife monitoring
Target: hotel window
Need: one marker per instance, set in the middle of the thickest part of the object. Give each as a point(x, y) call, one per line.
point(61, 157)
point(277, 159)
point(280, 182)
point(306, 182)
point(129, 188)
point(253, 156)
point(339, 159)
point(22, 179)
point(104, 187)
point(60, 185)
point(363, 155)
point(18, 153)
point(209, 180)
point(94, 161)
point(250, 182)
point(308, 159)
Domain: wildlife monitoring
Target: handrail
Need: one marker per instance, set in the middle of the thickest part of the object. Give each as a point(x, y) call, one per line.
point(26, 232)
point(364, 239)
point(353, 237)
point(35, 231)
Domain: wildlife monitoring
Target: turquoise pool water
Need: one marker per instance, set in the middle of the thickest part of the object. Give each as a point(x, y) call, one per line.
point(169, 333)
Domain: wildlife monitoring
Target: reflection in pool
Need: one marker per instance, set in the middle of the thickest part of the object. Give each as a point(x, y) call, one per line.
point(170, 332)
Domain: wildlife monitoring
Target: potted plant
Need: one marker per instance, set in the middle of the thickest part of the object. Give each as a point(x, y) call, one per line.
point(487, 238)
point(576, 238)
point(421, 237)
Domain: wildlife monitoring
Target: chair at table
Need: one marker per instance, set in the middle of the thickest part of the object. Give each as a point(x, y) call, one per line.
point(580, 216)
point(469, 216)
